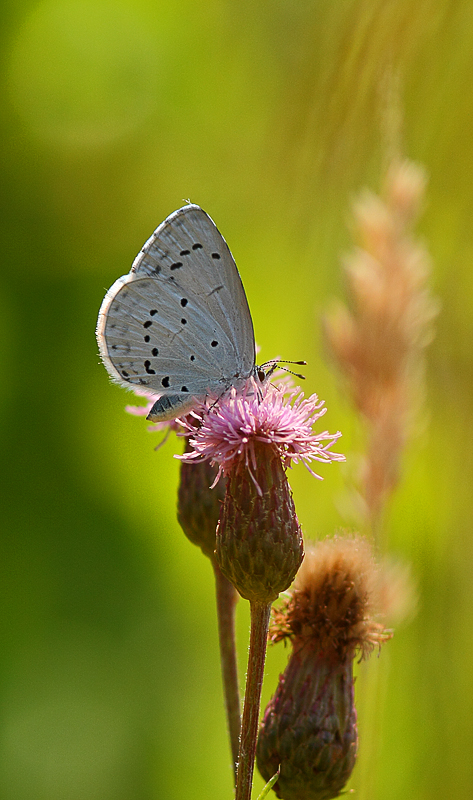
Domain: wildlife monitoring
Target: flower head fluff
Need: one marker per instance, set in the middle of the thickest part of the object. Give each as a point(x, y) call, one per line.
point(309, 727)
point(262, 414)
point(253, 435)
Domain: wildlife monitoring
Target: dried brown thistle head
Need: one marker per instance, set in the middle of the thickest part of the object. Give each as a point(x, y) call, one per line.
point(332, 605)
point(309, 731)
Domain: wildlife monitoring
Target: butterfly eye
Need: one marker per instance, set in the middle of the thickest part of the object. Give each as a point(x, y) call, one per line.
point(261, 375)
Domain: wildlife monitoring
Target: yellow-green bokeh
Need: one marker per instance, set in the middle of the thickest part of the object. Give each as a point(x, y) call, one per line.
point(270, 116)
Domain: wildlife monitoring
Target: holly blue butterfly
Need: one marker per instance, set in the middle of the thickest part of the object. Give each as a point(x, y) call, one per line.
point(178, 325)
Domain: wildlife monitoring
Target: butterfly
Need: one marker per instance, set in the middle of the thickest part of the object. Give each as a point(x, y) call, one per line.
point(178, 324)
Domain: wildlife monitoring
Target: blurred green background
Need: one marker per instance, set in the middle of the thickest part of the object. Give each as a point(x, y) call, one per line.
point(268, 115)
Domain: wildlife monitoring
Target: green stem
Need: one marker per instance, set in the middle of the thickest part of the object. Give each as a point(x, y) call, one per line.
point(227, 597)
point(254, 681)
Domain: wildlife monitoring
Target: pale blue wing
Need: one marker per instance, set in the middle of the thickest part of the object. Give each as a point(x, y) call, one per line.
point(179, 322)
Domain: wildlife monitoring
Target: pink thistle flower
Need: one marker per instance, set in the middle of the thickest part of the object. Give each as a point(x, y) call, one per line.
point(260, 413)
point(253, 435)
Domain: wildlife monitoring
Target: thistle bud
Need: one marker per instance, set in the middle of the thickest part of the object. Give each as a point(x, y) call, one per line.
point(309, 727)
point(259, 540)
point(198, 505)
point(200, 494)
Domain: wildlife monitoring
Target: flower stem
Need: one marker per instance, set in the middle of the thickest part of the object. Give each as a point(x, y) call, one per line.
point(227, 597)
point(254, 681)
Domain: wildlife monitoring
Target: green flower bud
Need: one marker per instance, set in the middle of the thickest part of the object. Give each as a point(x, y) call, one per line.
point(259, 541)
point(199, 506)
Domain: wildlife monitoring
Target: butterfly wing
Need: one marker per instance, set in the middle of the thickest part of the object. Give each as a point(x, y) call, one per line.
point(179, 324)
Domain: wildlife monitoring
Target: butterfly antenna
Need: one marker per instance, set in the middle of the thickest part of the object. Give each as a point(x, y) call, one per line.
point(274, 364)
point(296, 374)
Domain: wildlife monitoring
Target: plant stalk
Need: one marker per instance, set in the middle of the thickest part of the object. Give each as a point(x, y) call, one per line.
point(254, 681)
point(227, 597)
